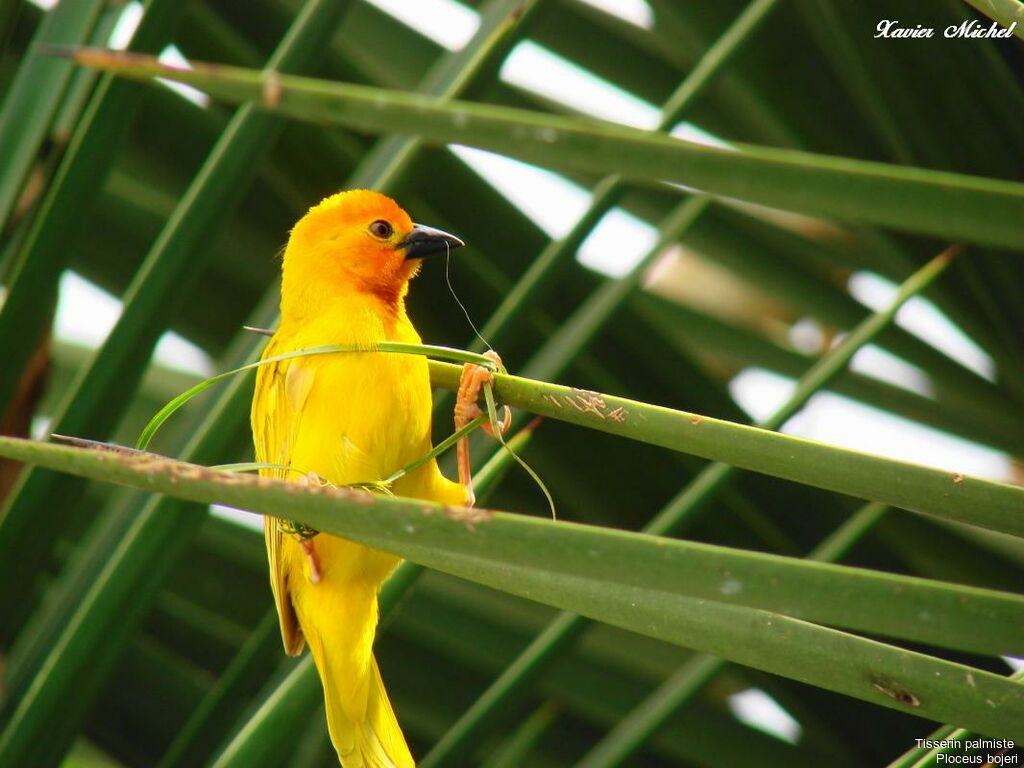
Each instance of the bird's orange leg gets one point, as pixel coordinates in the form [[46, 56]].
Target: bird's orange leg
[[314, 562], [308, 548], [467, 408]]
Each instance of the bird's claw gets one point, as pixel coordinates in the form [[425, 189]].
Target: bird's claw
[[307, 545], [467, 408]]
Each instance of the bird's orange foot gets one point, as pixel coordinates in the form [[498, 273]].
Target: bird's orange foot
[[305, 540], [309, 548], [467, 408]]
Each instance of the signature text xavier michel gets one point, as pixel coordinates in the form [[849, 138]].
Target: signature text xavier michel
[[972, 28]]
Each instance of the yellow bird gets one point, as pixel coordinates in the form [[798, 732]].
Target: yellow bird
[[344, 419]]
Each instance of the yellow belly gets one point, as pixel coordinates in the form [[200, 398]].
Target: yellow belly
[[358, 418]]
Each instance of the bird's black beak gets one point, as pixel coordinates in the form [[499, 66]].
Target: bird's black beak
[[423, 241]]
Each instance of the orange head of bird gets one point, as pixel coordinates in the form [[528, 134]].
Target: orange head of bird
[[357, 240]]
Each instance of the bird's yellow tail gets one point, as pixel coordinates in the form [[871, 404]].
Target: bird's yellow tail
[[364, 736]]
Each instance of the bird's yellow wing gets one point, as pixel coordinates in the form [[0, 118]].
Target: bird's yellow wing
[[281, 390]]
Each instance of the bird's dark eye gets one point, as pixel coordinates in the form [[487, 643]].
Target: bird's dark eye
[[381, 229]]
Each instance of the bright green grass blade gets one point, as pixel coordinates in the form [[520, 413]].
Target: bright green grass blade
[[947, 205], [437, 450], [495, 422], [255, 466], [442, 353]]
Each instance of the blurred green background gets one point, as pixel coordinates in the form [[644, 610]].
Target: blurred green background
[[141, 218]]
